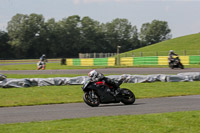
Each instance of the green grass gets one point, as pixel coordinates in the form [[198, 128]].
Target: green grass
[[40, 95], [176, 122], [190, 43], [18, 76], [49, 66], [73, 93]]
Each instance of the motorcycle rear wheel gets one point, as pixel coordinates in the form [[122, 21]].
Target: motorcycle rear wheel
[[91, 100], [128, 97]]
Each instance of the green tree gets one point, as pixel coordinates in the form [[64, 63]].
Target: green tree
[[52, 35], [89, 39], [30, 36], [154, 32], [26, 35], [69, 39], [5, 47], [134, 40], [121, 32]]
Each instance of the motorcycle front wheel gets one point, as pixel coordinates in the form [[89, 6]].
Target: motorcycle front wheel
[[181, 66], [171, 66], [91, 98], [128, 97]]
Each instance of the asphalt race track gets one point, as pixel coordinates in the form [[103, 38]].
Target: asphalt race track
[[81, 110], [105, 71]]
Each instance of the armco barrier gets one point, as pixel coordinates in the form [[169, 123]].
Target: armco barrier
[[150, 60], [157, 60], [126, 61], [91, 62], [163, 60], [100, 61], [111, 61], [194, 59], [131, 61]]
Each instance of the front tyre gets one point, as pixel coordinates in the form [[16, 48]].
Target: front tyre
[[171, 65], [128, 97], [181, 66], [91, 98]]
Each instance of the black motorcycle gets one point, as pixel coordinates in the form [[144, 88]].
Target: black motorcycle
[[176, 63], [96, 93]]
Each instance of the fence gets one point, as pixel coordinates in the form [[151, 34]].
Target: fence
[[139, 54], [96, 55], [160, 53]]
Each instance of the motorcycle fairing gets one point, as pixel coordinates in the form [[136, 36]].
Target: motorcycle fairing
[[103, 91]]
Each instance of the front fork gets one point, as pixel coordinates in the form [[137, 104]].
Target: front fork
[[91, 93]]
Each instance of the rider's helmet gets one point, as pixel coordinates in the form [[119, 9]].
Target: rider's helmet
[[171, 51], [93, 74], [43, 55]]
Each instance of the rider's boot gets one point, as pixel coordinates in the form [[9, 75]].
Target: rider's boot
[[115, 92]]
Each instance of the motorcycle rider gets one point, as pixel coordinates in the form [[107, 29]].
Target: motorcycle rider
[[170, 56], [43, 58], [41, 63], [95, 76]]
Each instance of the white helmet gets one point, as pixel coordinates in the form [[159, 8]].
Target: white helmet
[[171, 51], [93, 74]]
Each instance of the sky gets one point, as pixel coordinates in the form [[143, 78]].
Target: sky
[[183, 16]]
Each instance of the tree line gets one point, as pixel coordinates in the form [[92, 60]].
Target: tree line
[[30, 36]]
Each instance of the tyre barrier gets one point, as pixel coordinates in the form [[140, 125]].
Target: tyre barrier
[[29, 82]]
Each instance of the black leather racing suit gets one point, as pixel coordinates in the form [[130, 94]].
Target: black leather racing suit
[[110, 82]]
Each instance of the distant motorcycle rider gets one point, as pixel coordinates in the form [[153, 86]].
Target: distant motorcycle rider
[[170, 56], [95, 76], [41, 64], [43, 58]]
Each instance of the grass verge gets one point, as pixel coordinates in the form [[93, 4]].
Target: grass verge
[[73, 93], [18, 76], [176, 122]]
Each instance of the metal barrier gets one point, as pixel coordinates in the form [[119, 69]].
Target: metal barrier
[[113, 61], [91, 62], [131, 61]]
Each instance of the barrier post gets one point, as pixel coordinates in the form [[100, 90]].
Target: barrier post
[[118, 56]]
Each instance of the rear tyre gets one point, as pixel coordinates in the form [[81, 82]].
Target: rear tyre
[[128, 97], [91, 98]]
